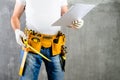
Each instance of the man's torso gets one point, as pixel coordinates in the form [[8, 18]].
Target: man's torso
[[40, 14]]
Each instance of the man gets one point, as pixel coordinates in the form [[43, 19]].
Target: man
[[40, 14]]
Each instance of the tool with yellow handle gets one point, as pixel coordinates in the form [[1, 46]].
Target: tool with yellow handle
[[25, 56], [23, 59], [23, 63]]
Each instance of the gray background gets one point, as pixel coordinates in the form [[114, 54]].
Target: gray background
[[93, 51]]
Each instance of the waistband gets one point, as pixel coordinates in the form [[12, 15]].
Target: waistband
[[45, 29], [35, 33]]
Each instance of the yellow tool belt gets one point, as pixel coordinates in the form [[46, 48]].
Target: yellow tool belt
[[38, 40]]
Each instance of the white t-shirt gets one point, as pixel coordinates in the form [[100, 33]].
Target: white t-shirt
[[40, 14]]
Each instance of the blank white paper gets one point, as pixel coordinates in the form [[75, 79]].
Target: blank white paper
[[77, 11]]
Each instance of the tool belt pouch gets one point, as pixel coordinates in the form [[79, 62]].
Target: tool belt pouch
[[35, 42], [57, 44], [46, 42]]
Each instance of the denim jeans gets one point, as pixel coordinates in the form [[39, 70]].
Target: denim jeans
[[33, 64]]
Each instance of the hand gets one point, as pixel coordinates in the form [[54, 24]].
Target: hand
[[19, 35], [77, 24]]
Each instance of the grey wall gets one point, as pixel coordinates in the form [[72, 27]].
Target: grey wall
[[93, 51]]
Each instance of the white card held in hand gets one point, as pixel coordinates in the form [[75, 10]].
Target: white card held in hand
[[77, 11]]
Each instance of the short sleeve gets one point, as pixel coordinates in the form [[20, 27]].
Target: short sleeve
[[21, 1], [64, 2]]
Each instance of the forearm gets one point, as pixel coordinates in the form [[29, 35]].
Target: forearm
[[64, 9], [15, 22], [15, 19]]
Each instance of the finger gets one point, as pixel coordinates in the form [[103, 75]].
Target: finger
[[19, 41], [72, 26], [23, 35], [76, 23]]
